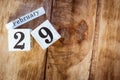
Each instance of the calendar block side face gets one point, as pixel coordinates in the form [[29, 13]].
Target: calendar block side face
[[45, 34], [19, 40]]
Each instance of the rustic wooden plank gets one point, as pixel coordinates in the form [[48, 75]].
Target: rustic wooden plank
[[106, 53], [21, 65], [70, 57]]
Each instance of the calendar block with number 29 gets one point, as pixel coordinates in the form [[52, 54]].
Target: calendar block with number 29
[[20, 39]]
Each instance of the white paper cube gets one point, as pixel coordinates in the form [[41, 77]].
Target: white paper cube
[[45, 34], [19, 39]]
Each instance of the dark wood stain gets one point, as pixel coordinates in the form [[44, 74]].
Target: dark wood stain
[[79, 32]]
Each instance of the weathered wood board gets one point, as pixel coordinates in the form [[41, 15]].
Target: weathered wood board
[[70, 57], [88, 50], [21, 65], [106, 53]]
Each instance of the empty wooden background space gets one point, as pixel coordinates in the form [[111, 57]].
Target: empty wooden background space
[[89, 48]]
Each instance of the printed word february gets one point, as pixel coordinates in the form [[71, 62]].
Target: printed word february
[[26, 18]]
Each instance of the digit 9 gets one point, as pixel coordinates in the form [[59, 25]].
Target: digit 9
[[45, 35]]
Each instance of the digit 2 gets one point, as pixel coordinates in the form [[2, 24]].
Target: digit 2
[[21, 38], [42, 35]]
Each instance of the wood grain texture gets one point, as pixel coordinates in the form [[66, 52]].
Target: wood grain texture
[[106, 54], [90, 31], [21, 65], [70, 57]]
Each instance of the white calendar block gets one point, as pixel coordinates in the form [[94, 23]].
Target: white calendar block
[[45, 34], [25, 18], [19, 39]]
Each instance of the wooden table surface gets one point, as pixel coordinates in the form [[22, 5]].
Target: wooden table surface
[[89, 48]]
